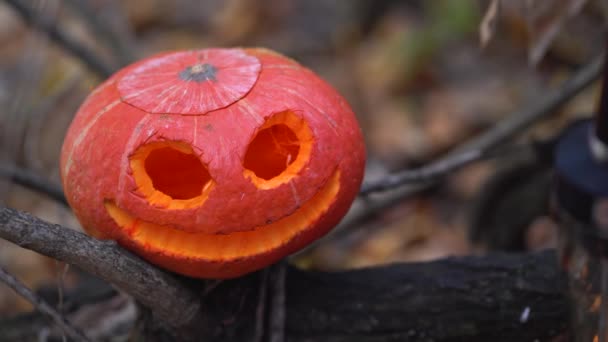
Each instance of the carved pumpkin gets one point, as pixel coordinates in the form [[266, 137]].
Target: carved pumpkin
[[212, 163]]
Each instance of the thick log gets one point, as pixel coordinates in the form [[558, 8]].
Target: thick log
[[500, 297], [460, 299]]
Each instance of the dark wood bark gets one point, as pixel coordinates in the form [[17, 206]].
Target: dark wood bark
[[458, 299], [461, 299]]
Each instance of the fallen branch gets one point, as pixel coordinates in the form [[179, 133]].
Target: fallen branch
[[42, 306], [460, 299], [170, 300], [501, 132]]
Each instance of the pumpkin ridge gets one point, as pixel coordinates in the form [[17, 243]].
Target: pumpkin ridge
[[330, 121], [195, 131], [86, 130], [244, 104]]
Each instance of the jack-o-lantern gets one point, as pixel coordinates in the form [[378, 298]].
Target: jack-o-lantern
[[212, 163]]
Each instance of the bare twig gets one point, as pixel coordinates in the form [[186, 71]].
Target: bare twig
[[424, 174], [61, 274], [498, 134], [546, 104], [38, 117], [42, 306], [16, 113], [124, 54], [60, 37], [33, 181], [169, 299]]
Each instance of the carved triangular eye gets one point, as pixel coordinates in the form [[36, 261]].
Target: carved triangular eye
[[170, 175], [278, 151]]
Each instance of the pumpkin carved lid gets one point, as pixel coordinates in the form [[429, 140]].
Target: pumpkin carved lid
[[213, 163], [190, 82]]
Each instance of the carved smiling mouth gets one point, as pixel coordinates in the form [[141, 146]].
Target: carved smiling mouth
[[167, 240]]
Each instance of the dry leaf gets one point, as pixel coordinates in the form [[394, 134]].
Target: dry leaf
[[489, 23]]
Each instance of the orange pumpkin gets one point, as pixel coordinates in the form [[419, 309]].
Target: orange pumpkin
[[212, 163]]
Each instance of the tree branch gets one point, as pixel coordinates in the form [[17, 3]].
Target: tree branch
[[42, 306], [169, 299], [46, 25], [498, 134], [427, 173], [88, 14]]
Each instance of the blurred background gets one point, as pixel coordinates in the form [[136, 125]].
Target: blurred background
[[415, 73]]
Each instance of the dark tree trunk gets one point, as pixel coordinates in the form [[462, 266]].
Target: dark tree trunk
[[458, 299]]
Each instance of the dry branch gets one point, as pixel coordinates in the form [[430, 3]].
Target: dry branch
[[170, 300], [500, 133], [88, 14], [42, 306]]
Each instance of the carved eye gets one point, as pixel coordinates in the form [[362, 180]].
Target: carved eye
[[170, 175], [278, 151]]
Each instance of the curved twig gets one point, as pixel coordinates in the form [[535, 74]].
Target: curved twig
[[104, 31], [61, 37], [42, 306]]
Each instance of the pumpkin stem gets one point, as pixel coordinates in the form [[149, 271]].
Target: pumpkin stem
[[199, 73]]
